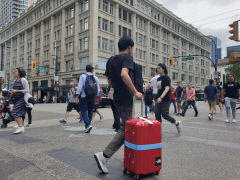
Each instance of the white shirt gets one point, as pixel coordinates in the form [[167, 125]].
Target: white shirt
[[154, 84]]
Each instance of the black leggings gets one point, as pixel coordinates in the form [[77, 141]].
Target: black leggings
[[29, 113], [162, 110]]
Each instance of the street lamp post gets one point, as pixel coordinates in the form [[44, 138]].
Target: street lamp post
[[56, 70], [2, 63]]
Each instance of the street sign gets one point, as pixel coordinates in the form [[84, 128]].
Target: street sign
[[188, 58], [1, 73], [42, 69], [56, 78]]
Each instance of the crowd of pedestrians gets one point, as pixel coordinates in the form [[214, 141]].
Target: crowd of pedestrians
[[120, 71]]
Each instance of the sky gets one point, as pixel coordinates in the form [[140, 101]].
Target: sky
[[211, 17]]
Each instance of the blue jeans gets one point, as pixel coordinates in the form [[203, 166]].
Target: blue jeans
[[174, 104], [146, 109], [86, 106], [193, 103]]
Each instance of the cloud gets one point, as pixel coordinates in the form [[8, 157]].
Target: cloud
[[199, 14]]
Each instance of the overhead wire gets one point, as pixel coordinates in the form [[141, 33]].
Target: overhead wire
[[227, 12]]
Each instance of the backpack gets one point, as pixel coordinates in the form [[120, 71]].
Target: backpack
[[138, 79], [90, 87]]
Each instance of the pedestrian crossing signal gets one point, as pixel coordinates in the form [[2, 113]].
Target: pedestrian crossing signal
[[34, 65], [219, 75], [171, 62]]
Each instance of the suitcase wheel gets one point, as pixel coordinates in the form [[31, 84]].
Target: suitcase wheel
[[136, 176], [124, 171]]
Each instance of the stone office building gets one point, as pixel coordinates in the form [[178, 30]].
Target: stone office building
[[84, 32]]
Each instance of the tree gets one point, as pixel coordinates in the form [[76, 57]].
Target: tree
[[234, 69]]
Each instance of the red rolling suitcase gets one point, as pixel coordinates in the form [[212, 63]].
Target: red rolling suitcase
[[143, 147]]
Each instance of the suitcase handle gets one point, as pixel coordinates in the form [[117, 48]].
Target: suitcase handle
[[134, 102], [146, 120]]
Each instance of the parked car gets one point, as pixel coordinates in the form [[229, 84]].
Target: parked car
[[105, 102], [199, 95]]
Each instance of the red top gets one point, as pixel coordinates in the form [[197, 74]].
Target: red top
[[99, 98], [173, 94]]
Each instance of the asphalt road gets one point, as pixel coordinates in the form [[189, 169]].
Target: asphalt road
[[206, 150]]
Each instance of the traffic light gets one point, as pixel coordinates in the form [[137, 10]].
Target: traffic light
[[2, 80], [219, 75], [171, 62], [34, 65], [57, 83], [235, 31]]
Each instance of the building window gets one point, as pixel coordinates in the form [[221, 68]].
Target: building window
[[105, 6], [190, 79], [111, 46], [111, 27], [83, 62], [143, 70], [124, 15], [104, 44], [153, 57], [165, 35], [69, 48], [70, 30], [57, 35], [85, 43], [70, 13], [102, 63], [111, 9], [153, 71], [99, 22], [175, 76], [165, 48], [86, 5], [85, 24], [105, 25], [183, 77], [99, 42], [46, 40], [80, 44], [69, 66]]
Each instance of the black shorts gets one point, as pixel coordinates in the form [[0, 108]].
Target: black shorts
[[179, 101], [95, 107], [73, 105]]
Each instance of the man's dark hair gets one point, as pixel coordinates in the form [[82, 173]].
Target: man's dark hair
[[163, 66], [89, 68], [124, 43], [21, 72], [211, 81]]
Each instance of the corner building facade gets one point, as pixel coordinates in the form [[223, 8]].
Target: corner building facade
[[82, 32]]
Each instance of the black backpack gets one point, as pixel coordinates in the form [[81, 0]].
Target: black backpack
[[138, 79], [90, 88]]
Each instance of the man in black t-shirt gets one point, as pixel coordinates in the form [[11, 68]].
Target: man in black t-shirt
[[119, 70], [231, 92]]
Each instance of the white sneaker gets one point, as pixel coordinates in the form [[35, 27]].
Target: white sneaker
[[209, 117], [179, 127], [234, 121], [19, 130], [101, 162], [227, 121], [88, 130]]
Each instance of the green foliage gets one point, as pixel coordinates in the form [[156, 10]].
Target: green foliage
[[234, 69]]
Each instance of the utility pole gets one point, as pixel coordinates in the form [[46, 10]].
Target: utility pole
[[56, 72], [2, 64]]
